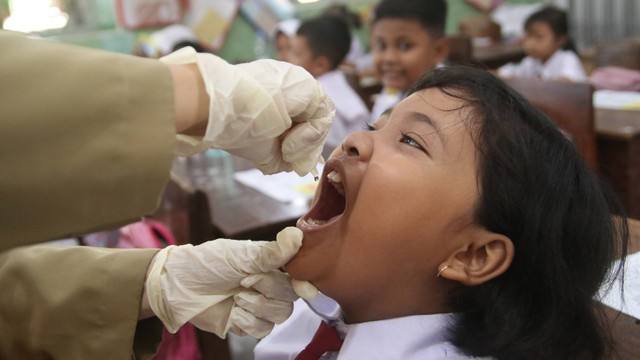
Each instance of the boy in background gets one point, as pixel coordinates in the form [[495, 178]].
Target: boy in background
[[320, 46], [407, 40], [285, 31]]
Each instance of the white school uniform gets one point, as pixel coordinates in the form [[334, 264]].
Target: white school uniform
[[411, 337], [385, 100], [562, 64], [352, 113]]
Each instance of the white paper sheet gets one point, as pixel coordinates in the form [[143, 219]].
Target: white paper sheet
[[617, 100], [630, 303]]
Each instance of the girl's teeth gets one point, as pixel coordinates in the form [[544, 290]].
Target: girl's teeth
[[334, 176], [316, 222]]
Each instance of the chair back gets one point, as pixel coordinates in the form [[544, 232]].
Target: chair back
[[568, 104], [481, 26], [185, 210], [460, 49], [622, 53]]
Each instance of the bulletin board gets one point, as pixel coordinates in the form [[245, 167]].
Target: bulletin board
[[210, 20], [140, 14], [265, 15], [485, 5]]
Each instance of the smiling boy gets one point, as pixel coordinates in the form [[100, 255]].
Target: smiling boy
[[407, 40]]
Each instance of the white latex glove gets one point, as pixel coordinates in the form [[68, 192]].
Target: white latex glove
[[224, 285], [304, 289], [270, 112]]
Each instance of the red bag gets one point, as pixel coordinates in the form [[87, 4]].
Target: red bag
[[615, 78], [151, 233]]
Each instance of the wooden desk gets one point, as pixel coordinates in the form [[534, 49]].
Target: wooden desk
[[237, 211], [241, 212], [495, 55], [618, 133]]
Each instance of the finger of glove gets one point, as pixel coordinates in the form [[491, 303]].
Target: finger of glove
[[237, 331], [275, 311], [249, 324], [302, 147], [215, 319], [265, 155], [255, 257], [273, 285], [304, 289]]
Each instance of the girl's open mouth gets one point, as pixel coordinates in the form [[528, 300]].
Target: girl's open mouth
[[331, 202]]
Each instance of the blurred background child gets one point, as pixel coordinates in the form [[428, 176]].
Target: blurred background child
[[407, 40], [550, 50], [285, 30], [320, 46]]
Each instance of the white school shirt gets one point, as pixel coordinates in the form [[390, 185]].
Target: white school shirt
[[562, 64], [406, 338], [352, 113], [388, 98], [385, 100]]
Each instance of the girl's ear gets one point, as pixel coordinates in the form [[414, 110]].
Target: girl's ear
[[485, 257]]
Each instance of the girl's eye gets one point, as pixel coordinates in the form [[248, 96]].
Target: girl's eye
[[405, 46], [369, 127], [380, 46], [411, 142]]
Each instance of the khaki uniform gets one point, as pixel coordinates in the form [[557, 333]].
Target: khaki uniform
[[86, 142]]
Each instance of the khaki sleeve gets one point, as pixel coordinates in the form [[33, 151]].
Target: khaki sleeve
[[73, 303], [86, 138]]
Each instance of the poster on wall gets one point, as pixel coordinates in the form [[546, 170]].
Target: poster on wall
[[210, 20], [141, 14], [265, 15], [485, 5]]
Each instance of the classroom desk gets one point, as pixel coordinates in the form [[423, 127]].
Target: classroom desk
[[238, 211], [618, 136], [242, 212], [495, 55]]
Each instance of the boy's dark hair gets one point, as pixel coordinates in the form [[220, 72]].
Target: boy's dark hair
[[431, 14], [327, 35], [194, 44], [556, 19], [536, 189], [342, 11]]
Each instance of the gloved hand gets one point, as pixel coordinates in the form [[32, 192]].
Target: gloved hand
[[224, 285], [270, 112], [304, 289]]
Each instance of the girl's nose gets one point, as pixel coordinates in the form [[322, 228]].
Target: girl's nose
[[389, 55], [358, 145]]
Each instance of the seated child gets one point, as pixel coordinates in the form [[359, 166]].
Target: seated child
[[464, 224], [285, 31], [407, 40], [320, 46], [551, 54]]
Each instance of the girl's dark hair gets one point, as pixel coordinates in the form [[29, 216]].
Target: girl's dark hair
[[431, 14], [558, 22], [565, 226]]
